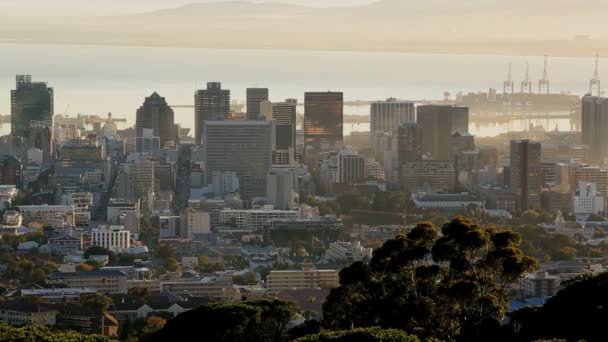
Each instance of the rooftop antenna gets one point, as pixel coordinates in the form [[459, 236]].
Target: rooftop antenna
[[526, 84], [544, 82], [595, 81], [507, 85]]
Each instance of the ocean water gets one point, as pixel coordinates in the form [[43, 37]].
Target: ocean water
[[101, 79]]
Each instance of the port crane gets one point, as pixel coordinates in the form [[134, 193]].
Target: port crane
[[526, 84], [544, 82], [508, 85]]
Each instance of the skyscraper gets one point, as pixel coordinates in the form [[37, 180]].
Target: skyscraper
[[156, 114], [211, 104], [386, 116], [437, 124], [409, 149], [284, 116], [525, 172], [323, 119], [40, 135], [30, 101], [255, 97], [595, 126], [244, 147]]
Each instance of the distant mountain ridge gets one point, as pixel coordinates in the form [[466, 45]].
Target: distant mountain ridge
[[422, 6]]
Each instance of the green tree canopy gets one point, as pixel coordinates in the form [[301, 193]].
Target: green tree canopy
[[451, 286], [96, 302], [374, 334], [30, 333]]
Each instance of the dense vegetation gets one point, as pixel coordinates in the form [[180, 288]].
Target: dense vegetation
[[375, 334], [452, 287], [578, 312], [41, 334]]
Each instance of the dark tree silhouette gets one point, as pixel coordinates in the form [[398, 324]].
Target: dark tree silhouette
[[451, 286]]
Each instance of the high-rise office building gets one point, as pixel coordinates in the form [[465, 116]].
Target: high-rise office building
[[595, 126], [140, 179], [387, 116], [156, 114], [437, 124], [284, 116], [351, 168], [148, 143], [30, 101], [255, 97], [281, 187], [244, 147], [525, 172], [211, 104], [40, 135], [323, 119], [409, 141]]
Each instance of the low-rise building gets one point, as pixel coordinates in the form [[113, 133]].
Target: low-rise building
[[307, 278], [348, 251], [11, 220], [104, 281], [429, 176], [210, 287], [255, 218], [447, 201], [8, 193], [55, 215], [22, 313], [540, 284], [58, 295], [113, 237], [323, 229], [198, 222], [67, 244], [587, 200]]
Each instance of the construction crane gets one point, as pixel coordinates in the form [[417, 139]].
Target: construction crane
[[526, 84], [508, 85], [544, 82], [595, 81]]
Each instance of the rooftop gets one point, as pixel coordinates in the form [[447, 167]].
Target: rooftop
[[24, 307], [95, 273]]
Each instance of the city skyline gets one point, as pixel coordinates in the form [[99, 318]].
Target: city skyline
[[303, 171]]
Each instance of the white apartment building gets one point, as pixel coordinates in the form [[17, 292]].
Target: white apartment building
[[587, 200], [255, 218], [113, 237], [347, 251]]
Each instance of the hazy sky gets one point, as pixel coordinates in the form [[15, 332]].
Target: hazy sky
[[125, 6]]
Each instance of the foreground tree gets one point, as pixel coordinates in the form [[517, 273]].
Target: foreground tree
[[251, 320], [451, 286], [578, 312]]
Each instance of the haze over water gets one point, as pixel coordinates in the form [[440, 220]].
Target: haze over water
[[102, 79]]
